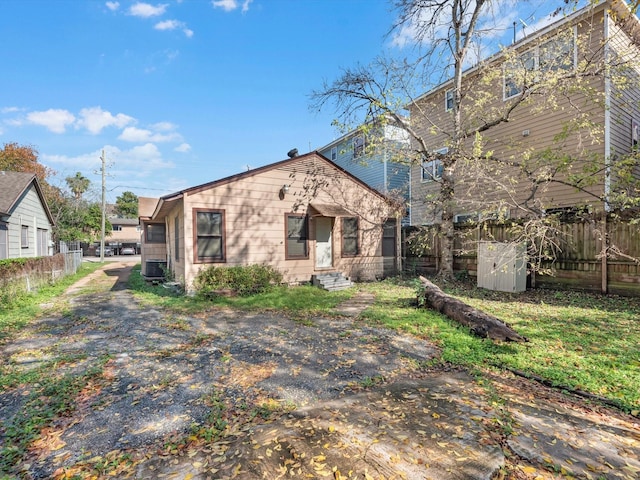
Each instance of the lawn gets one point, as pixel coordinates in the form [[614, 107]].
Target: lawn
[[583, 341], [20, 309]]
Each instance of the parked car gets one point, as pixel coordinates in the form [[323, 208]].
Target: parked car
[[107, 252], [128, 251]]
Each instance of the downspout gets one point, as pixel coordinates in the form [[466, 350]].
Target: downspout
[[607, 155]]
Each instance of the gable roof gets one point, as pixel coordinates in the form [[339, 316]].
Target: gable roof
[[249, 173], [13, 185]]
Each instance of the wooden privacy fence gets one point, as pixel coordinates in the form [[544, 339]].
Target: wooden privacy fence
[[579, 263]]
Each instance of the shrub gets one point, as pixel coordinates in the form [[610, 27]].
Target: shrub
[[240, 280]]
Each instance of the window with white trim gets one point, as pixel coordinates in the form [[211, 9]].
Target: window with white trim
[[358, 146], [432, 170], [334, 154], [557, 53], [24, 237], [448, 100], [4, 242]]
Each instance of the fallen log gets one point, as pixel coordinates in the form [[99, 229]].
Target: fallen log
[[480, 323]]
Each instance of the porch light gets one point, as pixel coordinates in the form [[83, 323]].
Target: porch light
[[284, 190]]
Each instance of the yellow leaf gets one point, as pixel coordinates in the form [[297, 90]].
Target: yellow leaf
[[188, 476], [332, 429], [528, 469]]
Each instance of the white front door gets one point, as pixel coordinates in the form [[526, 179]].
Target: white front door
[[324, 252]]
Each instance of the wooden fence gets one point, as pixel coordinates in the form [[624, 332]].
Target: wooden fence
[[579, 263]]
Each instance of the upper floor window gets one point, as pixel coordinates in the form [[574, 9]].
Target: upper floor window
[[432, 170], [448, 100], [155, 233], [116, 228], [558, 53], [209, 228], [334, 154], [358, 146]]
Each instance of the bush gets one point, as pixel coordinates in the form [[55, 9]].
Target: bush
[[239, 280]]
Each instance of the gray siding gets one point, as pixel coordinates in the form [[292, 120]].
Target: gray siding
[[29, 212], [375, 170]]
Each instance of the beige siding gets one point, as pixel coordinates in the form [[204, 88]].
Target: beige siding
[[625, 105], [532, 128], [255, 218]]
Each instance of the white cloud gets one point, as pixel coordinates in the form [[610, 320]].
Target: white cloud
[[113, 6], [139, 161], [9, 109], [140, 135], [95, 119], [55, 120], [229, 5], [146, 10], [168, 25], [164, 126], [174, 25], [183, 148]]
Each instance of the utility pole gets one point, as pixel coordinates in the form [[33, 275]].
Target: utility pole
[[104, 206]]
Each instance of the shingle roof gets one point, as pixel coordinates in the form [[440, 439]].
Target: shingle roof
[[12, 186]]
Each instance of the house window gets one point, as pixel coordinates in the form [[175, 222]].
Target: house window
[[209, 228], [155, 233], [432, 170], [389, 238], [176, 234], [334, 154], [116, 228], [558, 53], [42, 242], [296, 237], [448, 100], [24, 237], [4, 242], [518, 72], [349, 237], [358, 146]]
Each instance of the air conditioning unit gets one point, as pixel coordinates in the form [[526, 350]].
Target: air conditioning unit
[[155, 268], [502, 266]]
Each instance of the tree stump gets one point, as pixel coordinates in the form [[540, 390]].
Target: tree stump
[[480, 324]]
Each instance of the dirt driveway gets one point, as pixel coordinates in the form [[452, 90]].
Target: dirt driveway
[[228, 394]]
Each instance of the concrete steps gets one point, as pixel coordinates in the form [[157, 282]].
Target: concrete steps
[[331, 281]]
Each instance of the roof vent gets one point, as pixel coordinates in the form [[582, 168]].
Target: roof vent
[[292, 153]]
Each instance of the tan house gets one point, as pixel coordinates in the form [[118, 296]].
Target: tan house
[[304, 216], [593, 124], [125, 232]]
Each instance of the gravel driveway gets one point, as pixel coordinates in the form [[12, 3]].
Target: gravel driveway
[[227, 394]]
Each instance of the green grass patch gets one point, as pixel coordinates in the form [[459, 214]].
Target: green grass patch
[[17, 312], [578, 340], [299, 301], [51, 396]]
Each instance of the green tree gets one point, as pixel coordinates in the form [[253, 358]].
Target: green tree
[[127, 205], [78, 184]]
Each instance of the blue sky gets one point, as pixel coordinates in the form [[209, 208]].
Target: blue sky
[[177, 92]]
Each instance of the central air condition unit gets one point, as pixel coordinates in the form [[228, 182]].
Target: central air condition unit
[[155, 268]]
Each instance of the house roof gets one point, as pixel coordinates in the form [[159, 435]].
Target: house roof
[[13, 185], [165, 201], [123, 221], [146, 206], [619, 7]]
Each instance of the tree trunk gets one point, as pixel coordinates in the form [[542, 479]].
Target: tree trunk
[[481, 324]]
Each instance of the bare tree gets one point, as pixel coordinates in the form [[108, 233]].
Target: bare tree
[[482, 169]]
